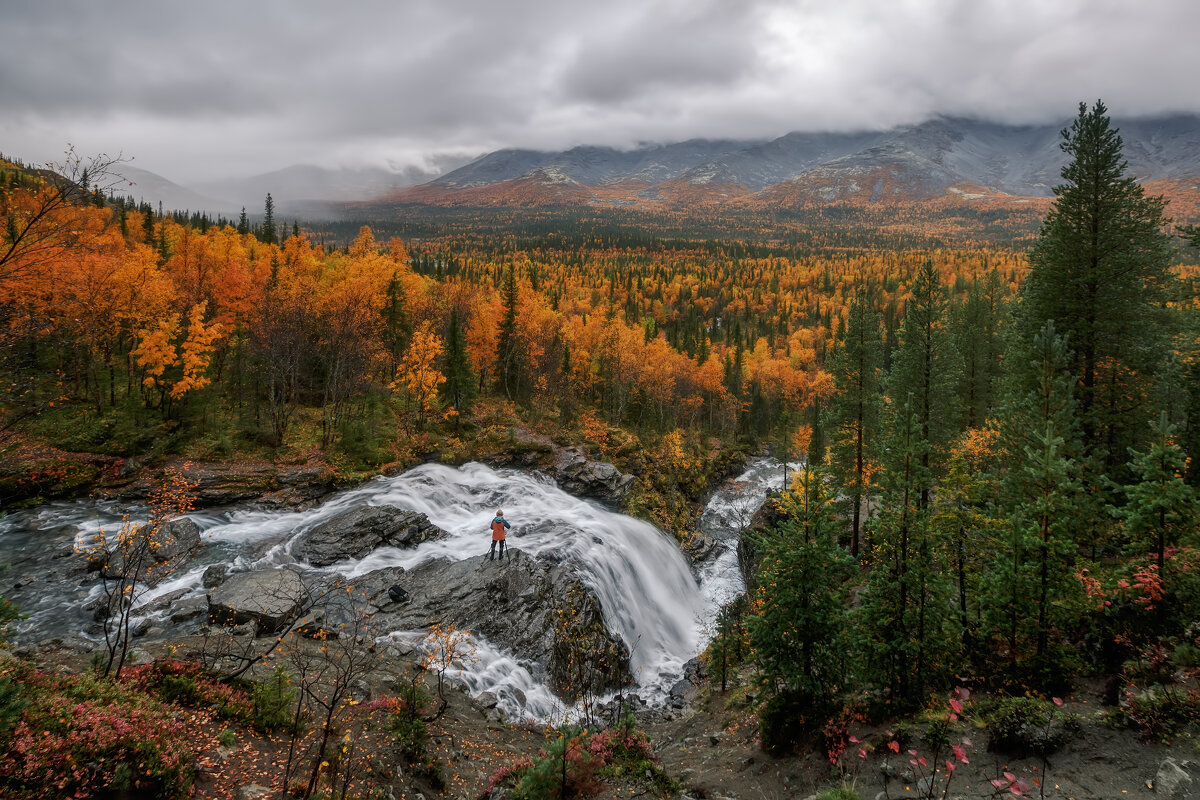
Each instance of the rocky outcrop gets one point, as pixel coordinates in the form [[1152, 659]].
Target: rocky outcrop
[[272, 599], [577, 475], [1177, 780], [699, 548], [220, 484], [684, 690], [177, 538], [514, 604], [355, 533], [570, 467], [153, 555]]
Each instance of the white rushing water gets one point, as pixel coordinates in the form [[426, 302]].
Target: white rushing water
[[649, 595], [728, 513], [491, 669], [645, 587]]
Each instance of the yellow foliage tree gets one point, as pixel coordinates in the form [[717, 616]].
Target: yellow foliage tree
[[197, 351], [156, 352], [418, 374]]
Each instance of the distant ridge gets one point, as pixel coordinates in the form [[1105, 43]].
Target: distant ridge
[[944, 157], [305, 187], [145, 186], [947, 159]]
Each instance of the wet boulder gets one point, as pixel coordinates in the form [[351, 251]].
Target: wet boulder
[[187, 610], [271, 598], [355, 533], [177, 538], [577, 475], [149, 556], [684, 690], [699, 548], [514, 603], [214, 576]]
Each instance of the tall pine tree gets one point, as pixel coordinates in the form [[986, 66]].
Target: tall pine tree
[[268, 226], [798, 627], [925, 368], [902, 619], [459, 388], [1040, 498], [976, 326], [1161, 507], [1100, 271], [510, 361]]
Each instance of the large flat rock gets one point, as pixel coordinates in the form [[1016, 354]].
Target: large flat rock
[[272, 598]]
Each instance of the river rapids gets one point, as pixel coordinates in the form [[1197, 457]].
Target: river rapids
[[650, 596]]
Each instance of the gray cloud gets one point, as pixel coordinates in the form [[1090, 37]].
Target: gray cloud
[[222, 88]]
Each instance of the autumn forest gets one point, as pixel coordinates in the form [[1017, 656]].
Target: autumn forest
[[991, 409]]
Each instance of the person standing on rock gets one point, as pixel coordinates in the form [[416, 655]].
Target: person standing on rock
[[498, 526]]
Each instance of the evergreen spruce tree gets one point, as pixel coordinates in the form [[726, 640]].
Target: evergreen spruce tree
[[1191, 234], [976, 324], [243, 226], [268, 226], [161, 242], [734, 370], [1100, 271], [396, 325], [809, 502], [459, 388], [566, 400], [797, 632], [925, 368], [1047, 483], [1161, 507], [1041, 499], [903, 620], [854, 412], [510, 362]]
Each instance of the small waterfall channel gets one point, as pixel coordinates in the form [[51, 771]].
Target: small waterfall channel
[[650, 596]]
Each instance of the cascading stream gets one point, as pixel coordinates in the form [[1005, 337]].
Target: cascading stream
[[649, 595]]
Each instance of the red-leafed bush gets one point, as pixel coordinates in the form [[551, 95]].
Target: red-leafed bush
[[189, 684], [78, 736]]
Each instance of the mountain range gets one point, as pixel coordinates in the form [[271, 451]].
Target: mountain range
[[944, 157], [966, 157]]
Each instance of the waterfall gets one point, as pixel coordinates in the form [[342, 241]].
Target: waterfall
[[650, 597]]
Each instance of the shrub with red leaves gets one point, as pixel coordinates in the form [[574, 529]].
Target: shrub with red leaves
[[81, 737]]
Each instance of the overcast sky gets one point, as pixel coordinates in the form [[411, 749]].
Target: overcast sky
[[215, 88]]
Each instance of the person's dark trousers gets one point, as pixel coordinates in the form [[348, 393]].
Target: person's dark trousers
[[492, 552]]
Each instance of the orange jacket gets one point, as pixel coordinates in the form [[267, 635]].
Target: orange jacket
[[498, 526]]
